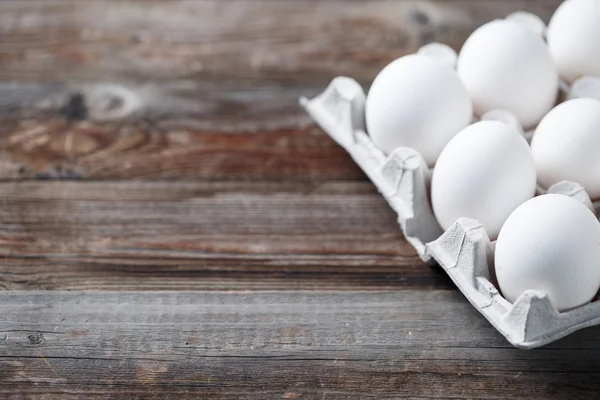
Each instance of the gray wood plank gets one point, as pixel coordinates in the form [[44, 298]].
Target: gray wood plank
[[104, 39], [203, 235], [277, 345]]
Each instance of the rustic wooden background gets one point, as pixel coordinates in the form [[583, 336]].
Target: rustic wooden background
[[173, 225]]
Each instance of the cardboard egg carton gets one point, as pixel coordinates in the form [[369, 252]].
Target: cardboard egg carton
[[464, 251]]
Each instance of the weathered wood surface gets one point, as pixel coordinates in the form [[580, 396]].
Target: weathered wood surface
[[430, 344], [55, 40], [187, 164], [187, 235], [175, 76]]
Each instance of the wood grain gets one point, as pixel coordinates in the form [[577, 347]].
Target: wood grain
[[198, 89], [293, 40], [169, 235], [185, 163], [277, 345], [184, 131]]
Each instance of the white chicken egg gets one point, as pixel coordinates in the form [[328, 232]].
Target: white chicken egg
[[485, 172], [506, 66], [566, 145], [573, 37], [550, 243], [417, 102]]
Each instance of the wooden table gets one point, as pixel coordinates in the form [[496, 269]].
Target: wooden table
[[174, 226]]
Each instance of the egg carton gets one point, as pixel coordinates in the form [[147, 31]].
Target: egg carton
[[464, 251]]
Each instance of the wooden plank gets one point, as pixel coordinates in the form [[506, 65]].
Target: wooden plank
[[156, 131], [42, 148], [190, 235], [56, 40], [198, 90], [277, 345]]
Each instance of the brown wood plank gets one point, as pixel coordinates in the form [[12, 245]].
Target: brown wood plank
[[277, 345], [184, 130], [186, 235], [51, 147], [185, 90]]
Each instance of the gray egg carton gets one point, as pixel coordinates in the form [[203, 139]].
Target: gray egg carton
[[464, 251]]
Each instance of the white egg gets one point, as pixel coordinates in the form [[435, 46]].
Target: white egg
[[507, 66], [550, 243], [566, 145], [417, 102], [485, 173], [573, 37]]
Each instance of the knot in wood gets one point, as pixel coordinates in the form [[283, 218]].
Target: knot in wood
[[36, 338], [110, 102]]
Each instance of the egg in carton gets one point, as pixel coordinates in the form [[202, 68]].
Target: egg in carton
[[464, 250]]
